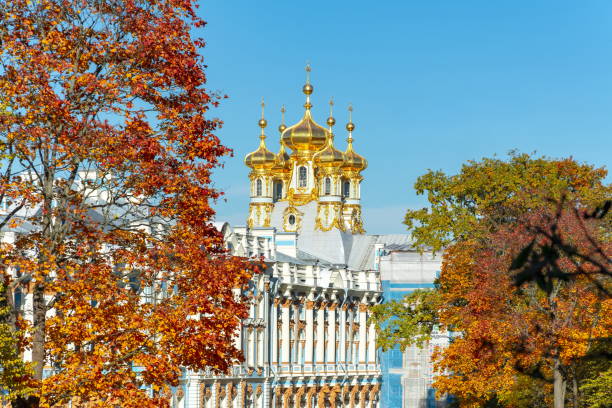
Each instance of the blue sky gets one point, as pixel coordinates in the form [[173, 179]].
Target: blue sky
[[433, 84]]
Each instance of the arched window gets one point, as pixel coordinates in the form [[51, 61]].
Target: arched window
[[346, 188], [302, 177], [258, 187], [292, 219], [327, 186], [278, 190]]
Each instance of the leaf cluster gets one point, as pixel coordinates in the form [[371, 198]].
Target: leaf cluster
[[406, 322], [492, 192]]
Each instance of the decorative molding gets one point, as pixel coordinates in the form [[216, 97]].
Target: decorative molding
[[321, 400], [297, 401], [362, 395], [287, 397], [311, 391], [352, 395]]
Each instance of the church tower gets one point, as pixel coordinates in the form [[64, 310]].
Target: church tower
[[309, 185]]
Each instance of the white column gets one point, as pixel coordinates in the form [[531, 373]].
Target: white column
[[362, 333], [320, 357], [193, 390], [250, 357], [273, 328], [266, 394], [260, 347], [331, 334], [372, 344], [308, 358], [213, 394], [285, 332], [342, 354]]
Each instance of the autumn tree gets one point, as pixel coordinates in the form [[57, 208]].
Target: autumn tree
[[510, 331], [114, 278]]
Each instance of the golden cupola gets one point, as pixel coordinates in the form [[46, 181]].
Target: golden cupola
[[330, 156], [352, 160], [306, 135], [262, 158], [282, 158]]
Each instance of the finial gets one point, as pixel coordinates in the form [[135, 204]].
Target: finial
[[350, 126], [331, 121], [282, 126], [262, 122], [307, 89], [308, 69], [263, 106]]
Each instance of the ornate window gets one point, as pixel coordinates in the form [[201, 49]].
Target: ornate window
[[278, 190], [292, 219], [327, 186], [346, 188], [302, 177], [258, 188]]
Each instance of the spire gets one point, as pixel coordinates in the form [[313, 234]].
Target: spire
[[331, 121], [353, 160], [350, 126], [262, 123], [282, 126], [307, 89], [261, 158], [282, 158]]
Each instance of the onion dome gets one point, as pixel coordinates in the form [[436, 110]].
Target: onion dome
[[330, 155], [282, 158], [306, 135], [261, 158], [352, 160]]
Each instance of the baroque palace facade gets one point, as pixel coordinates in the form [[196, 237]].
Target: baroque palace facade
[[307, 342]]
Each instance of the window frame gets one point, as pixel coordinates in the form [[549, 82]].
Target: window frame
[[302, 177], [258, 188], [327, 186]]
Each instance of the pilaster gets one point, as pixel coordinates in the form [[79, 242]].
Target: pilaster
[[320, 355], [308, 358], [362, 332]]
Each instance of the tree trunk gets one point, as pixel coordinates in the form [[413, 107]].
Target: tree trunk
[[38, 338], [575, 389], [559, 385]]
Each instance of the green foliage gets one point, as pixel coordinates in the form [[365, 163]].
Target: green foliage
[[528, 392], [596, 371], [597, 390], [492, 191], [406, 322], [14, 372]]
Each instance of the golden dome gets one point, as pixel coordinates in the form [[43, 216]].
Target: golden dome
[[330, 155], [306, 134], [261, 158], [352, 160], [282, 159]]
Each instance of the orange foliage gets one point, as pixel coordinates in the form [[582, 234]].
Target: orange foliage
[[507, 331], [107, 155]]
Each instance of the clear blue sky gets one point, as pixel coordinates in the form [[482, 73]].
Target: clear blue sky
[[433, 84]]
